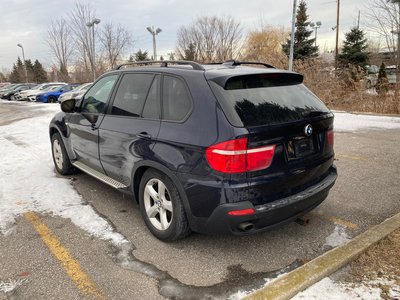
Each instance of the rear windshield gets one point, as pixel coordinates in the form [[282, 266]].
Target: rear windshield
[[265, 99]]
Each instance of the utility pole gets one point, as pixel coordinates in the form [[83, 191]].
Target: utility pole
[[358, 20], [292, 36], [154, 33], [337, 35]]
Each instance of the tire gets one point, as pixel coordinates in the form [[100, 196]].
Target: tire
[[51, 99], [60, 157], [12, 97], [161, 207]]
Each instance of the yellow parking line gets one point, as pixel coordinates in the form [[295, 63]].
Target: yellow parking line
[[339, 221], [342, 222], [71, 266]]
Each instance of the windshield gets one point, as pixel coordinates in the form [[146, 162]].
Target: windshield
[[255, 100]]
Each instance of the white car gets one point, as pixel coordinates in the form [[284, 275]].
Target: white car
[[31, 94], [76, 92]]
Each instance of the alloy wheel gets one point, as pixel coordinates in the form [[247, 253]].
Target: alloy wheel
[[158, 204]]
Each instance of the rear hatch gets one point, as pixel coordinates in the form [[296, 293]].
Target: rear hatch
[[279, 111]]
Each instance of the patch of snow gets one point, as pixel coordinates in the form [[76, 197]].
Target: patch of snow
[[10, 285], [327, 289], [338, 237], [346, 122], [240, 295], [28, 181]]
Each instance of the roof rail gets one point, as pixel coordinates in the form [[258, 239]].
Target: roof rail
[[238, 63], [164, 63]]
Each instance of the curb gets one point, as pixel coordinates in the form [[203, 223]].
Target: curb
[[288, 285]]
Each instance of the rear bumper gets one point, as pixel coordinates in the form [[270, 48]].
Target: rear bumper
[[271, 214]]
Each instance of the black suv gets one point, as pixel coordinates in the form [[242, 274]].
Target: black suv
[[222, 148]]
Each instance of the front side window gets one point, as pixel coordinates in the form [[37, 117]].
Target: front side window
[[131, 94], [176, 100], [96, 98]]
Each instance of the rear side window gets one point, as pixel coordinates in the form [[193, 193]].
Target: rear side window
[[131, 94], [151, 108], [176, 100], [265, 99]]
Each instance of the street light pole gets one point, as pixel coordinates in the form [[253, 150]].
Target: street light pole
[[154, 33], [292, 36], [23, 57], [316, 26], [91, 24]]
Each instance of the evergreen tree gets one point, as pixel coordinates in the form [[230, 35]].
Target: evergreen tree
[[40, 75], [29, 69], [354, 48], [382, 86], [141, 55], [190, 52], [18, 73], [303, 44]]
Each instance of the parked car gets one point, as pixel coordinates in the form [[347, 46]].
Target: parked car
[[6, 88], [223, 148], [9, 93], [31, 94], [4, 84], [372, 75], [76, 92], [51, 96]]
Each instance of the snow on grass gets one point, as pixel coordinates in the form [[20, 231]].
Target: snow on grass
[[28, 181], [327, 289], [347, 122]]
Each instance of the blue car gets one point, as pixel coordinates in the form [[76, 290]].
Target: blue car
[[51, 96]]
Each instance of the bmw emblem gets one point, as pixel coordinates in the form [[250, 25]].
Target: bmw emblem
[[308, 130]]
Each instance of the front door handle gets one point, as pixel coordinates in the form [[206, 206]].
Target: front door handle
[[144, 135], [94, 127]]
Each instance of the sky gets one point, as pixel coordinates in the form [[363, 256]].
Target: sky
[[26, 21]]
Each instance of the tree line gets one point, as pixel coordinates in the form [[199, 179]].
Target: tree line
[[206, 39]]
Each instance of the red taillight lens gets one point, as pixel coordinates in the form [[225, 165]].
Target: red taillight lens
[[330, 137], [242, 212], [234, 157]]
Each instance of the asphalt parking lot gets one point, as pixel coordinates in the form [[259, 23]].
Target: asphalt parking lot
[[51, 258]]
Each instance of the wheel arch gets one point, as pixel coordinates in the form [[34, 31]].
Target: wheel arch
[[58, 125], [143, 166]]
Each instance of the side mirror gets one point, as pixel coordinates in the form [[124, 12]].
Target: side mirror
[[68, 105]]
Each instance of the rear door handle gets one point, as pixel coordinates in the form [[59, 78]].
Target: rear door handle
[[144, 135]]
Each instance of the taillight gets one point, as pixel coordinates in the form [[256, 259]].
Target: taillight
[[234, 157], [330, 137], [242, 212]]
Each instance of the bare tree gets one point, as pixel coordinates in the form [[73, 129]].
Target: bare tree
[[115, 41], [60, 40], [266, 45], [80, 16], [383, 17], [213, 39]]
